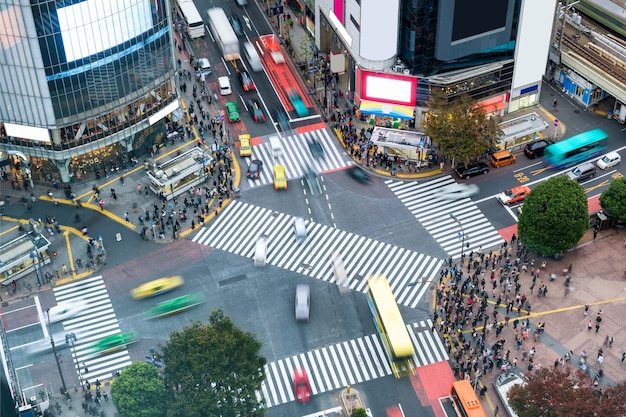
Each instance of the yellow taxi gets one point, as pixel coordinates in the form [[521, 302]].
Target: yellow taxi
[[280, 178], [244, 145], [156, 287]]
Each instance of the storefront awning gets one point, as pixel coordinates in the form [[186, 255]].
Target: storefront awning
[[386, 109]]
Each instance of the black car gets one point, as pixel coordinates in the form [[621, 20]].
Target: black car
[[245, 80], [316, 149], [255, 109], [535, 148], [359, 174], [236, 24], [472, 169], [254, 169]]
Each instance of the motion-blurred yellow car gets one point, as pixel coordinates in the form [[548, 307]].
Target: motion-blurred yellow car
[[280, 179], [156, 287]]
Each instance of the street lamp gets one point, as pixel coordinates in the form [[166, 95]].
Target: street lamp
[[36, 254], [453, 217], [56, 357], [70, 339], [565, 10]]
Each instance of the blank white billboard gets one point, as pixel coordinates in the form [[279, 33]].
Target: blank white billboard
[[533, 41], [379, 29], [93, 26]]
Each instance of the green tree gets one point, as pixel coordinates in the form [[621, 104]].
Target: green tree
[[613, 199], [554, 217], [215, 370], [359, 412], [566, 392], [139, 392], [460, 126]]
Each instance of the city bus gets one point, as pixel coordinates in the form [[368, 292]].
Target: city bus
[[224, 34], [391, 328], [576, 149], [465, 400], [188, 12]]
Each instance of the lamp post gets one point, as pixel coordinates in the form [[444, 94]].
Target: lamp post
[[453, 217], [56, 357], [71, 339], [565, 10], [36, 254]]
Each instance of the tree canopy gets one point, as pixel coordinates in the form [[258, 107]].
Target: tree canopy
[[613, 199], [564, 392], [213, 369], [554, 216], [139, 392], [460, 127]]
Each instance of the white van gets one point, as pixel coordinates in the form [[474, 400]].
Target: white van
[[299, 228], [260, 251], [224, 84], [609, 160], [277, 148], [252, 56]]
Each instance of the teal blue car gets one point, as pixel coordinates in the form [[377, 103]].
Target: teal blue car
[[298, 104], [113, 342], [175, 305]]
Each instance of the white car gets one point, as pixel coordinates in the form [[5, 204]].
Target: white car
[[609, 160], [66, 310], [43, 345], [457, 191]]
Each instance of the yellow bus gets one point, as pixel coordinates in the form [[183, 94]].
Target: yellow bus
[[465, 400], [391, 328]]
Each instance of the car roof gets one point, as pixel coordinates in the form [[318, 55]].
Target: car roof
[[519, 189], [611, 154]]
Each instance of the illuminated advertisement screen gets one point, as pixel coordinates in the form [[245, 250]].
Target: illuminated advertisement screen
[[387, 88], [93, 26]]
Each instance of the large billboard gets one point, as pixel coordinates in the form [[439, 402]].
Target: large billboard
[[468, 27], [386, 87]]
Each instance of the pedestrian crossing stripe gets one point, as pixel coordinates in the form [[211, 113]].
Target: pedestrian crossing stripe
[[434, 214], [91, 325], [296, 156], [238, 227], [346, 363]]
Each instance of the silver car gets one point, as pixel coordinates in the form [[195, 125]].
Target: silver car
[[303, 302]]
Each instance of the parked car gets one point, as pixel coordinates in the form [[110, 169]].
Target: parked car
[[457, 191], [236, 24], [472, 169], [246, 82], [609, 160], [301, 385], [156, 287], [514, 195], [254, 169], [231, 110], [535, 148], [582, 172], [255, 108]]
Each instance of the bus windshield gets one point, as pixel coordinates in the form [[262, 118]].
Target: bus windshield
[[390, 325], [576, 149], [465, 400]]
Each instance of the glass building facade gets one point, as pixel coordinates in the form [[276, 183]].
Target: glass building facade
[[85, 74]]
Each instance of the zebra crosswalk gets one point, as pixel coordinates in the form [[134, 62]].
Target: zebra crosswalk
[[436, 216], [346, 363], [240, 224], [92, 324], [296, 156]]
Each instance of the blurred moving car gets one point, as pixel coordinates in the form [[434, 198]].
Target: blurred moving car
[[316, 149], [113, 342], [303, 302], [236, 24], [66, 310], [457, 191], [156, 287], [283, 119], [231, 110], [472, 169], [245, 149], [312, 181], [246, 81], [301, 385], [535, 148], [609, 160], [254, 169], [43, 345], [175, 305], [257, 113], [297, 102], [514, 195], [280, 178], [359, 174]]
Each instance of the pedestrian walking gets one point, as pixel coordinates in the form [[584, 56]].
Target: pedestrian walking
[[554, 103], [589, 326], [101, 204], [126, 216], [139, 188], [586, 309], [113, 194], [64, 269]]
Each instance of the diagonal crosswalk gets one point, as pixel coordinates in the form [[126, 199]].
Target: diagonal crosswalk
[[434, 214], [90, 325], [297, 155], [346, 363], [240, 224]]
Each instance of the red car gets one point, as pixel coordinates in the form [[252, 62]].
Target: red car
[[514, 195], [301, 385]]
